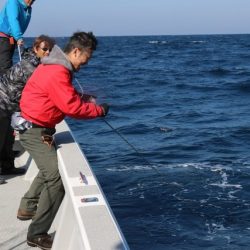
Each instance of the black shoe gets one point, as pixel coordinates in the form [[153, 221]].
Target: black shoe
[[45, 241], [17, 153], [2, 180], [13, 171]]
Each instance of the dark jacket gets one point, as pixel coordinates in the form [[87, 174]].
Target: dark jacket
[[14, 80]]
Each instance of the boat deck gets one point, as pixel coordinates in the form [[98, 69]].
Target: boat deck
[[13, 232]]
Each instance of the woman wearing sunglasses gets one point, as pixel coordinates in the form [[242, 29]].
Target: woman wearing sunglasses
[[11, 86]]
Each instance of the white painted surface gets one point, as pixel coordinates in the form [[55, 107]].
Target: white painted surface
[[78, 225]]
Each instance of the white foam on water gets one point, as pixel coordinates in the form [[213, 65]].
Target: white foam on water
[[165, 129], [200, 166], [130, 168], [154, 41], [199, 41], [213, 228], [231, 194], [225, 185], [224, 181], [175, 184], [157, 42]]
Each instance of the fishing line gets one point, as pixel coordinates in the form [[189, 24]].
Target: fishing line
[[131, 146], [79, 85], [19, 52]]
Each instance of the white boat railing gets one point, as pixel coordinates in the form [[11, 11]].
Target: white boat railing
[[85, 219]]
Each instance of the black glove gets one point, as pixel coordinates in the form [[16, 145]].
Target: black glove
[[89, 98], [105, 108]]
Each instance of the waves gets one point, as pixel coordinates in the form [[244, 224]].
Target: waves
[[176, 43], [219, 71], [198, 201]]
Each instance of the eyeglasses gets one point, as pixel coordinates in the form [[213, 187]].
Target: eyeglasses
[[45, 49]]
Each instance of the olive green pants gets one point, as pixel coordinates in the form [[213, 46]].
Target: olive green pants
[[46, 191]]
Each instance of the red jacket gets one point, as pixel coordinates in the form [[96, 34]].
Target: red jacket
[[49, 96]]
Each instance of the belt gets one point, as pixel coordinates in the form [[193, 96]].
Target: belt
[[48, 131], [37, 126], [11, 38]]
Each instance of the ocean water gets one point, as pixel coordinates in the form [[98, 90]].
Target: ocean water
[[183, 102]]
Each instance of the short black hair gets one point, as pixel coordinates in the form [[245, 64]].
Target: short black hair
[[81, 40]]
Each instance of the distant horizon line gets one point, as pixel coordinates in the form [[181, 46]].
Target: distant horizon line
[[210, 34]]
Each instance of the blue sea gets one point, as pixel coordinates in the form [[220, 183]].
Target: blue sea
[[183, 103]]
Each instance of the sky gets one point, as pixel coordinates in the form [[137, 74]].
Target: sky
[[139, 17]]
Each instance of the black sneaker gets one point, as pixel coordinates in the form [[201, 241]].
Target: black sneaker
[[45, 241]]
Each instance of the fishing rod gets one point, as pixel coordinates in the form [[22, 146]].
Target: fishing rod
[[122, 137], [79, 85]]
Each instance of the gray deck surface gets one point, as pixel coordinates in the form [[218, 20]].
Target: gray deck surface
[[12, 231]]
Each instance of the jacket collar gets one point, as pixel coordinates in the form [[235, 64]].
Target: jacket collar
[[57, 56], [22, 2]]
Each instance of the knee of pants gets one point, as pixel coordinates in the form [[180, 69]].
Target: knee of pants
[[54, 179]]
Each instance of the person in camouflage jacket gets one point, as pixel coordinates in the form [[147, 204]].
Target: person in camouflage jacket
[[11, 86], [13, 81]]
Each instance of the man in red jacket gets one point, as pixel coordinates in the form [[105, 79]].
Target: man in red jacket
[[46, 99]]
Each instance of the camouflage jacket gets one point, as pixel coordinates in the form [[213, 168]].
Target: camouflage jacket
[[14, 80]]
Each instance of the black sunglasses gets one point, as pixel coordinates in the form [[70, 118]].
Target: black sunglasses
[[45, 49]]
